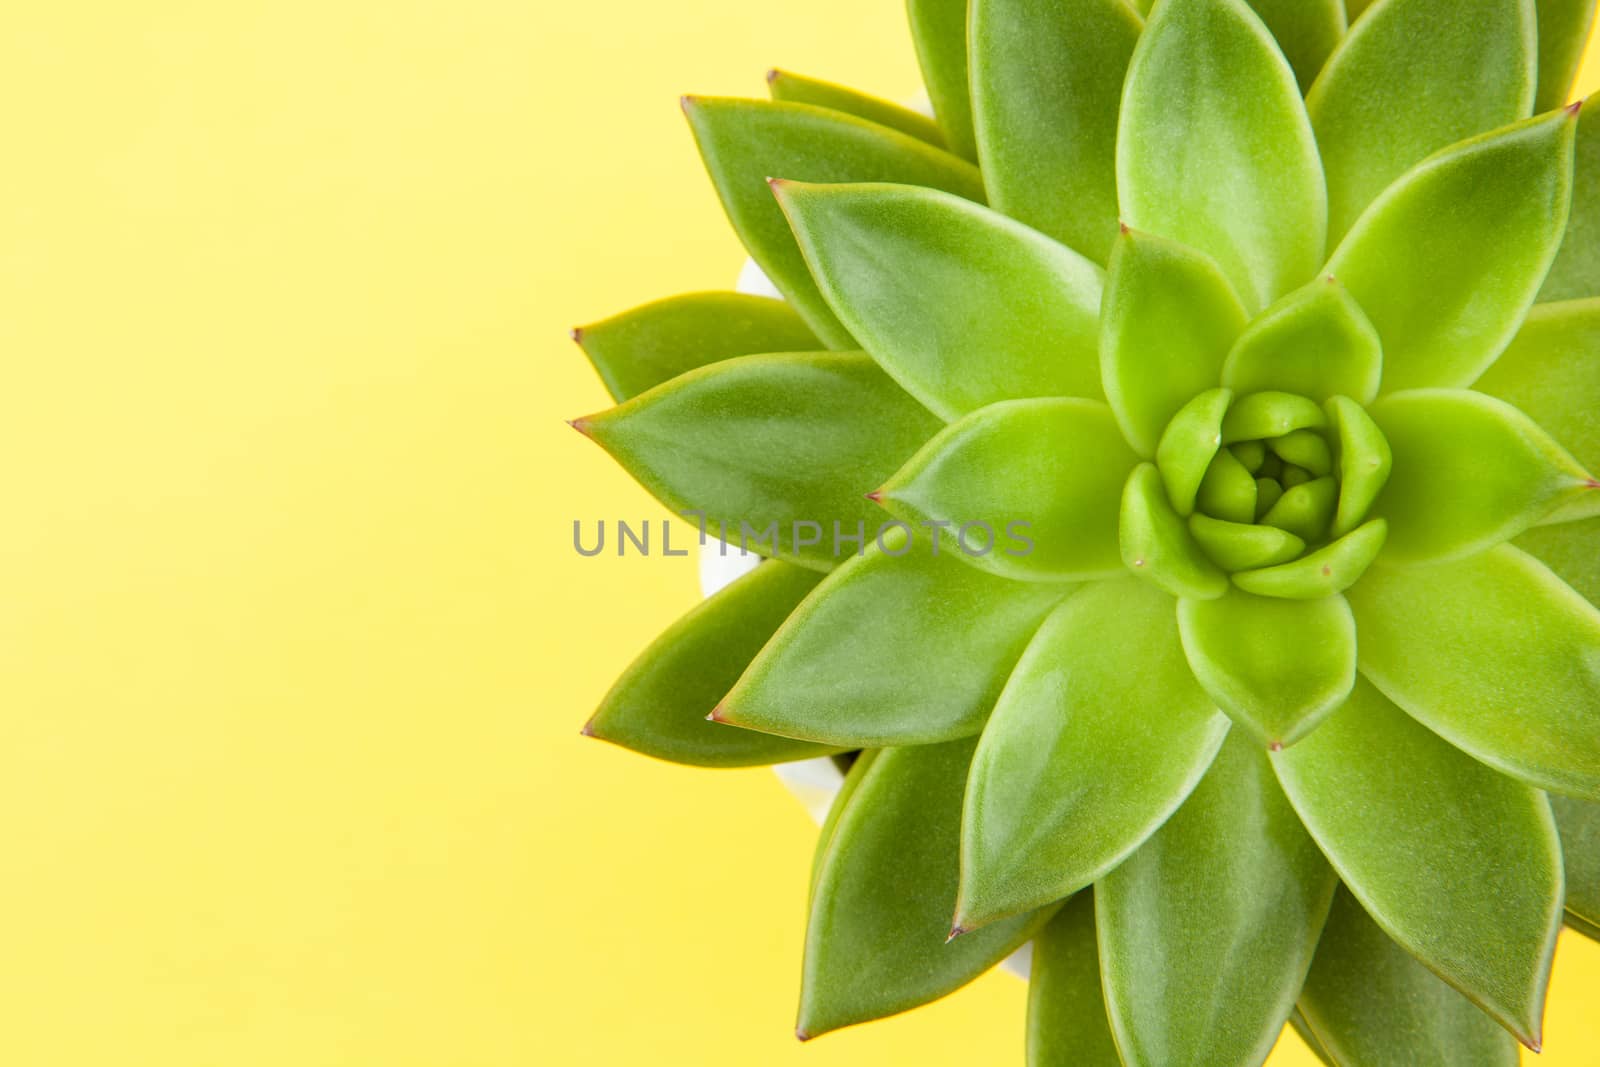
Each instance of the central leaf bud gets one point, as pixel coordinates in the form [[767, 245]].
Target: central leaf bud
[[1269, 490]]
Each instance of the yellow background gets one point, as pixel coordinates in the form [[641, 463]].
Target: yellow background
[[294, 649]]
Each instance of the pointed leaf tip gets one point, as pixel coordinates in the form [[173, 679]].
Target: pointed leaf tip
[[800, 1035], [1572, 110], [588, 729], [718, 714], [1124, 228], [955, 932], [773, 75], [576, 333], [687, 102], [581, 424], [876, 496]]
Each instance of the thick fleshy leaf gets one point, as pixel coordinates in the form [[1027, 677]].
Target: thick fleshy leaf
[[1237, 546], [1394, 92], [1469, 472], [1315, 342], [1579, 823], [883, 891], [1306, 30], [1276, 666], [1497, 656], [1572, 551], [1563, 31], [1214, 148], [1365, 462], [1189, 446], [1457, 862], [939, 31], [961, 305], [1046, 86], [1447, 261], [1157, 545], [1551, 373], [1576, 271], [745, 142], [640, 349], [798, 89], [1169, 319], [1369, 1003], [771, 448], [893, 649], [659, 705], [1067, 1024], [1207, 931], [1302, 1029], [1037, 482], [1331, 569], [1099, 735]]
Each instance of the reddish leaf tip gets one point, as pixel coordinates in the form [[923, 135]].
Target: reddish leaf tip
[[717, 715], [1123, 228], [955, 932], [1331, 280], [1534, 1042], [687, 102], [576, 333], [876, 496], [801, 1035], [580, 424], [588, 729], [1591, 484], [773, 75], [1572, 110], [1275, 746]]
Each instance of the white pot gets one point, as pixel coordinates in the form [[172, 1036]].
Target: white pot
[[814, 782]]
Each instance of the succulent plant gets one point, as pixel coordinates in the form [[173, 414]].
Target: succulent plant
[[1174, 463]]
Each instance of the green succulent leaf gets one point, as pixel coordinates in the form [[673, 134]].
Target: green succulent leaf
[[1277, 667], [939, 31], [770, 439], [1551, 373], [1046, 84], [1189, 446], [1329, 570], [1305, 510], [852, 664], [1067, 1024], [1572, 551], [1307, 31], [1157, 545], [1207, 931], [1043, 478], [1579, 823], [1448, 260], [1214, 148], [1466, 870], [1228, 491], [1576, 271], [745, 142], [1270, 414], [792, 88], [1315, 342], [1496, 655], [883, 892], [1368, 1002], [1237, 546], [1563, 31], [659, 704], [1168, 322], [1303, 1029], [1394, 92], [640, 349], [961, 305], [1073, 772], [1365, 461], [1469, 472]]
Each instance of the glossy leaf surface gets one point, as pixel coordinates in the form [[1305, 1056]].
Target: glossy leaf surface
[[1551, 373], [1369, 1003], [745, 142], [1315, 343], [640, 349], [1215, 150], [1277, 667], [939, 31], [1099, 735], [769, 439], [1481, 222], [1169, 319], [1331, 569], [1571, 550], [883, 892], [1207, 931], [1396, 91], [961, 305], [1496, 655], [1046, 86], [798, 89], [1157, 544], [659, 704], [1365, 462], [1049, 471], [1067, 1024], [1469, 472], [900, 649], [1466, 871]]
